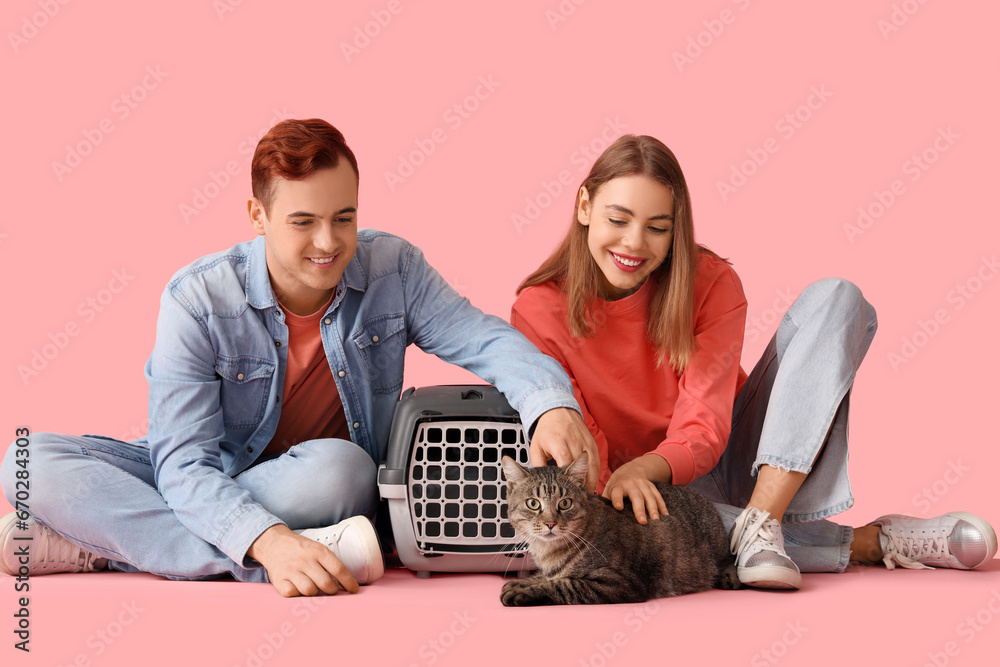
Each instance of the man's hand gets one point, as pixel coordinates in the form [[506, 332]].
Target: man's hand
[[297, 565], [560, 434], [635, 480]]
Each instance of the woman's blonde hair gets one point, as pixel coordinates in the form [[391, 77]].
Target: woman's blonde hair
[[670, 319]]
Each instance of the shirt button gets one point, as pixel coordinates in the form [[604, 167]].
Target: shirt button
[[250, 449], [374, 339], [327, 321], [341, 373], [356, 425], [239, 376], [277, 343]]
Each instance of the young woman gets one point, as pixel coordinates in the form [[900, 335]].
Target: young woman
[[649, 325]]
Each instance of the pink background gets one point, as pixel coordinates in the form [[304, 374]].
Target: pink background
[[223, 77]]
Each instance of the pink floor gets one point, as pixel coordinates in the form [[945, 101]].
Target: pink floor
[[866, 616]]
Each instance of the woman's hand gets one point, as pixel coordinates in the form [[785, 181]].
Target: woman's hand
[[635, 480]]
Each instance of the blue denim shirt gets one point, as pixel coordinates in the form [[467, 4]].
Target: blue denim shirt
[[216, 373]]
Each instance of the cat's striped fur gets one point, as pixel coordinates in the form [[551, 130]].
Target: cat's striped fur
[[588, 552]]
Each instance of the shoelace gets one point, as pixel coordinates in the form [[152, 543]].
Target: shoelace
[[904, 549], [55, 550], [327, 539], [751, 525]]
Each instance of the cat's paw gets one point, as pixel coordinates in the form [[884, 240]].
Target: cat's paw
[[521, 594], [510, 591], [728, 578]]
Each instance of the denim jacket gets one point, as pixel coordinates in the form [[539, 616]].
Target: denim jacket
[[217, 369]]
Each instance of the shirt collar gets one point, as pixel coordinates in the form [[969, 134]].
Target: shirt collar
[[259, 292], [354, 276]]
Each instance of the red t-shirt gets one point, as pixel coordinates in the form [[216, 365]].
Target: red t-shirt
[[631, 406], [311, 406]]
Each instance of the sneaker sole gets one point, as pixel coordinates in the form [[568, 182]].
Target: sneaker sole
[[779, 578], [375, 568], [987, 531]]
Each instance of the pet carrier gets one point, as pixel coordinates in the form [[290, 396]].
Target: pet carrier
[[443, 481]]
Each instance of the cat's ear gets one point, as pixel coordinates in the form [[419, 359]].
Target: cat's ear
[[512, 470], [577, 470]]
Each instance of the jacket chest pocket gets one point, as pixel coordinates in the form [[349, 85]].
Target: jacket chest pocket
[[382, 344], [246, 383]]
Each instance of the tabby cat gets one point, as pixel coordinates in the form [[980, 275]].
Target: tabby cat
[[588, 552]]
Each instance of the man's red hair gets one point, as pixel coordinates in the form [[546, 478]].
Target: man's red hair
[[293, 150]]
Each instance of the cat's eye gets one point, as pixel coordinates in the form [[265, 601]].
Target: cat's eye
[[565, 504], [532, 504]]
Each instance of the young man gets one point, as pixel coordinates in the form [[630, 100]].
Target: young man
[[272, 383]]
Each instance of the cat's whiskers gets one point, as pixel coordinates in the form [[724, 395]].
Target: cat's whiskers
[[587, 542], [499, 554], [575, 541], [510, 559], [563, 538]]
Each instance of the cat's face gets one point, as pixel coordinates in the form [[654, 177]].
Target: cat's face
[[548, 504]]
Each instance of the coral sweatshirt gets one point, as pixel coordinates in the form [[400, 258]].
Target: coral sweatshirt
[[632, 407]]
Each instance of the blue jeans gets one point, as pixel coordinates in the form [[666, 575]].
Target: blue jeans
[[792, 414], [101, 494]]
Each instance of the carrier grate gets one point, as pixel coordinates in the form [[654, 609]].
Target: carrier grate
[[458, 497]]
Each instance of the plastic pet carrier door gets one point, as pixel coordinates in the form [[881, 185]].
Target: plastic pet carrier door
[[444, 484]]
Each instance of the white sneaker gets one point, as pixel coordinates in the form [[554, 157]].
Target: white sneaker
[[42, 550], [355, 542], [759, 547], [957, 540]]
